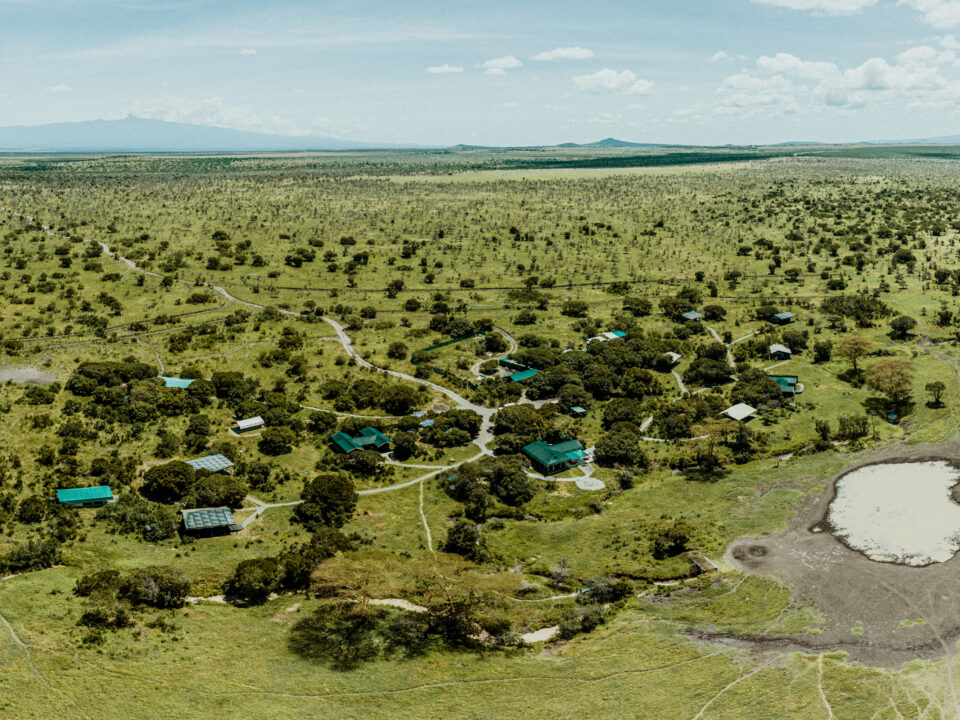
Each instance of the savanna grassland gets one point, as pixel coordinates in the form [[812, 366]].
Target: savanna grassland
[[450, 579]]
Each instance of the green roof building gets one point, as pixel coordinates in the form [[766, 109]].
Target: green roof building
[[522, 375], [512, 364], [85, 497], [552, 459], [789, 384], [368, 439]]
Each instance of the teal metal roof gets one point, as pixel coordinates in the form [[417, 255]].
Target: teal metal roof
[[523, 375], [375, 435], [206, 518], [100, 493], [566, 446], [784, 316], [175, 382], [553, 456], [787, 383], [512, 364], [343, 441], [367, 437], [213, 463]]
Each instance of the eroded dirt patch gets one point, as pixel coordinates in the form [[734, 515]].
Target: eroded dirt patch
[[864, 602], [27, 376]]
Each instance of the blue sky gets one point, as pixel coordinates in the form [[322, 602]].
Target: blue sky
[[493, 72]]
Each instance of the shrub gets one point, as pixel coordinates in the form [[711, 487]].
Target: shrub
[[253, 580], [33, 555], [328, 500], [277, 441], [159, 587], [464, 538], [167, 483], [132, 515], [672, 539]]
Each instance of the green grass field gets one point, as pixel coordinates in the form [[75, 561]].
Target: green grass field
[[552, 250]]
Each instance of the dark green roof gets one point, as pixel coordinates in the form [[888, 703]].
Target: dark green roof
[[787, 383], [367, 437], [550, 456], [100, 493], [343, 441], [566, 446], [205, 518], [512, 364]]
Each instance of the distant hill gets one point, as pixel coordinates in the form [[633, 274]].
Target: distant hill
[[134, 134], [609, 143]]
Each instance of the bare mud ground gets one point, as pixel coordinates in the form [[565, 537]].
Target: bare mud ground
[[871, 609], [27, 376]]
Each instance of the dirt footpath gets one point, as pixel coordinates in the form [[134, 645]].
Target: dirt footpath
[[871, 609]]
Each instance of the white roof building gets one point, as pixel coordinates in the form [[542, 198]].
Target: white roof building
[[740, 411], [778, 349], [250, 423]]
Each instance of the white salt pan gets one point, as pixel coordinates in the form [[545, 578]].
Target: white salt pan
[[899, 512]]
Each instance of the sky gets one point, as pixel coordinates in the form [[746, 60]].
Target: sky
[[496, 72]]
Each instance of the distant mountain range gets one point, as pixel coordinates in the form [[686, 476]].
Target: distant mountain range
[[134, 134]]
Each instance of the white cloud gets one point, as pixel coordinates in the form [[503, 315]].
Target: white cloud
[[950, 42], [788, 83], [939, 13], [499, 66], [62, 88], [830, 7], [719, 55], [608, 80], [640, 87], [789, 64], [248, 51], [444, 69], [213, 111], [744, 93], [565, 53]]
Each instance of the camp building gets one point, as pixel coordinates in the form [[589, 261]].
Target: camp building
[[789, 384], [214, 463], [85, 497], [779, 351], [552, 459], [250, 424], [512, 364], [209, 521], [368, 439], [692, 316], [740, 412], [783, 318]]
